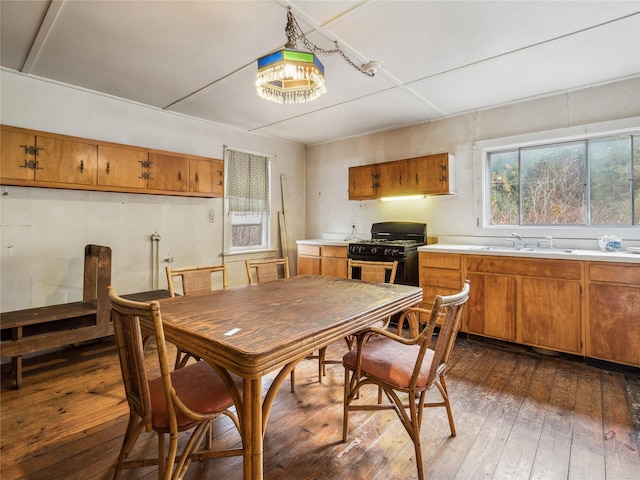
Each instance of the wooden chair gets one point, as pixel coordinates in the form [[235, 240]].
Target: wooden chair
[[267, 270], [405, 365], [189, 398], [369, 271], [194, 280]]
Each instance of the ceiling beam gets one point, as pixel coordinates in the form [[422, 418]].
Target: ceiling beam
[[43, 33]]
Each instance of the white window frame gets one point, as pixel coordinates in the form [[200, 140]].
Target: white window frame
[[481, 191], [266, 246]]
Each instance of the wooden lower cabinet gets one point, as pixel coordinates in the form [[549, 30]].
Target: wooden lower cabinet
[[333, 261], [439, 274], [613, 314], [551, 314], [573, 306], [491, 308], [531, 301], [308, 260], [327, 260]]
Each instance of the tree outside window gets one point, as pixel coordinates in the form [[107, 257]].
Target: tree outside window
[[588, 182]]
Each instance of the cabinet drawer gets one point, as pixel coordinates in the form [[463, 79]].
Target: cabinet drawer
[[615, 273], [439, 277], [530, 267], [334, 251], [440, 260], [313, 250]]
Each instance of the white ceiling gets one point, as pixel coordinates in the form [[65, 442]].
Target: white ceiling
[[439, 58]]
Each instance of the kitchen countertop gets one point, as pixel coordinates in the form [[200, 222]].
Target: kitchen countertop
[[324, 241], [621, 256]]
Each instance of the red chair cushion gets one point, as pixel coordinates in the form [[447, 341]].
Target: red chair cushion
[[198, 386], [391, 362]]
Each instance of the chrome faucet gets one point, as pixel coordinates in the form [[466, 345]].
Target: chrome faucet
[[518, 242]]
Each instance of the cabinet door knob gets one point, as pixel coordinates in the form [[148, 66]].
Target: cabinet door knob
[[108, 168], [179, 176], [197, 178], [81, 165]]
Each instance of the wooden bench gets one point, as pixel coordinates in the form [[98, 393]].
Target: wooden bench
[[37, 329]]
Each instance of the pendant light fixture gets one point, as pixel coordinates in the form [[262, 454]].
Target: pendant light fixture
[[290, 75]]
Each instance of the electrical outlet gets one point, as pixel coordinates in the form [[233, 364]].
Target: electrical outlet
[[212, 216]]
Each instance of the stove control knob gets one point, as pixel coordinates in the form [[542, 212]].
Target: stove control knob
[[374, 250]]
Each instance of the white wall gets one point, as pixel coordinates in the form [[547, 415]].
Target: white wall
[[44, 231], [329, 210]]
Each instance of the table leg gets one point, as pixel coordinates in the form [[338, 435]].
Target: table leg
[[253, 457]]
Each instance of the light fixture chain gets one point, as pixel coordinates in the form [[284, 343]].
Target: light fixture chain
[[294, 32]]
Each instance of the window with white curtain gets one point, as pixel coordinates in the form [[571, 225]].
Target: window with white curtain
[[248, 202]]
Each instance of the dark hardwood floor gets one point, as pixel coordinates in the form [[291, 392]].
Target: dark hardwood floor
[[518, 416]]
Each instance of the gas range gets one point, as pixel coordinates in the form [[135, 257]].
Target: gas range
[[393, 241], [390, 240]]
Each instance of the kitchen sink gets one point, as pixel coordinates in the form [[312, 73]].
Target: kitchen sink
[[497, 248]]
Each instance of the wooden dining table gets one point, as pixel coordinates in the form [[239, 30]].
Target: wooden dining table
[[252, 330]]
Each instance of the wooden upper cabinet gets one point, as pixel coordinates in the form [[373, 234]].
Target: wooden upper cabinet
[[393, 179], [428, 175], [40, 159], [206, 176], [18, 156], [431, 175], [363, 182], [66, 161], [121, 167], [47, 160], [168, 172]]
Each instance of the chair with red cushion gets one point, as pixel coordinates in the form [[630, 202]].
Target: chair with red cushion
[[406, 368], [366, 271], [189, 398]]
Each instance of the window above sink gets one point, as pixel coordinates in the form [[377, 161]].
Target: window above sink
[[573, 183]]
